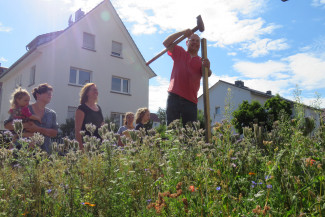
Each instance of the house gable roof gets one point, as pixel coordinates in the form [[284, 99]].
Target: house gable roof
[[266, 95], [48, 37], [260, 93]]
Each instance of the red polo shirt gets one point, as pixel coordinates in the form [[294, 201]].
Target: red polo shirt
[[186, 74]]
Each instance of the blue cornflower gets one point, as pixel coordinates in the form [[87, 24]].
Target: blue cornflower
[[269, 186], [218, 188], [267, 177]]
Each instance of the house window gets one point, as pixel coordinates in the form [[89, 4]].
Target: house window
[[88, 41], [217, 110], [117, 118], [120, 85], [116, 49], [32, 76], [71, 112], [79, 76]]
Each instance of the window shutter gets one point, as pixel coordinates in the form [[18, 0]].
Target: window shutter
[[116, 48], [88, 41]]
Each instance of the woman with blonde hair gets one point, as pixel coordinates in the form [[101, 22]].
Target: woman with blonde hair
[[48, 126], [88, 112], [142, 117], [128, 125]]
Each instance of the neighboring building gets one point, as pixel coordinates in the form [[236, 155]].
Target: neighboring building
[[155, 120], [223, 92], [96, 47]]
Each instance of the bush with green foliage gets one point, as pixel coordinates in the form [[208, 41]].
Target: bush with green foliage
[[247, 114]]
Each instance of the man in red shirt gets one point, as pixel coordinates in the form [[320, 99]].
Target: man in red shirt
[[185, 78]]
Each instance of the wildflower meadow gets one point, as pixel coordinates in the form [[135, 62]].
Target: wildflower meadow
[[173, 172]]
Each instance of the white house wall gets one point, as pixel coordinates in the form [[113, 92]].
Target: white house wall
[[218, 95], [53, 66]]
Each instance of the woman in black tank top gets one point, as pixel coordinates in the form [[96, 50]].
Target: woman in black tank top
[[88, 112]]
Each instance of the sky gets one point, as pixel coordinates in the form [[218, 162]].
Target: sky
[[268, 44]]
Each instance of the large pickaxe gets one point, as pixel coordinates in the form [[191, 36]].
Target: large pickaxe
[[200, 27]]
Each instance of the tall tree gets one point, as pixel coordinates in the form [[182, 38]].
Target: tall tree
[[274, 106], [162, 116], [247, 114]]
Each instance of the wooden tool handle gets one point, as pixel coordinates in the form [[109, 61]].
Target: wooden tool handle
[[174, 43]]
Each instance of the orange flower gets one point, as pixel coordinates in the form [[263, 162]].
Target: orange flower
[[312, 162], [251, 173], [192, 188], [86, 203], [92, 204]]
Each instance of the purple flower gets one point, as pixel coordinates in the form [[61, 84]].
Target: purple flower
[[211, 169], [269, 186], [146, 170], [267, 177], [148, 201], [49, 191], [218, 188], [253, 186], [254, 182], [260, 183]]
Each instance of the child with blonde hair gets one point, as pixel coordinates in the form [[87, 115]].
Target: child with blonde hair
[[19, 106]]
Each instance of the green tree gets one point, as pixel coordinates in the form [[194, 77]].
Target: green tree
[[162, 116], [274, 106], [247, 114]]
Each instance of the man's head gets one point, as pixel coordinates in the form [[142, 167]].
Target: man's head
[[193, 44]]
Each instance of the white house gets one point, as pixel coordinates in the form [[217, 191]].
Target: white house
[[95, 47], [223, 94]]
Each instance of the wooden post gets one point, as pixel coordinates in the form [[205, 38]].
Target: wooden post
[[206, 99]]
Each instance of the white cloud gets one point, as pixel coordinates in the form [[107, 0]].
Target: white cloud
[[2, 59], [304, 69], [269, 69], [308, 70], [263, 47], [318, 3], [4, 28], [158, 93]]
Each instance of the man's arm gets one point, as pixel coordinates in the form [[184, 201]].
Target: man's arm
[[170, 39]]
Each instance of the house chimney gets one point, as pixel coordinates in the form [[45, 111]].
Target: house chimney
[[269, 92], [239, 83], [70, 22], [78, 15]]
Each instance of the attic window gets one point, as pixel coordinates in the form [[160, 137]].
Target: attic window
[[88, 41], [116, 49]]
